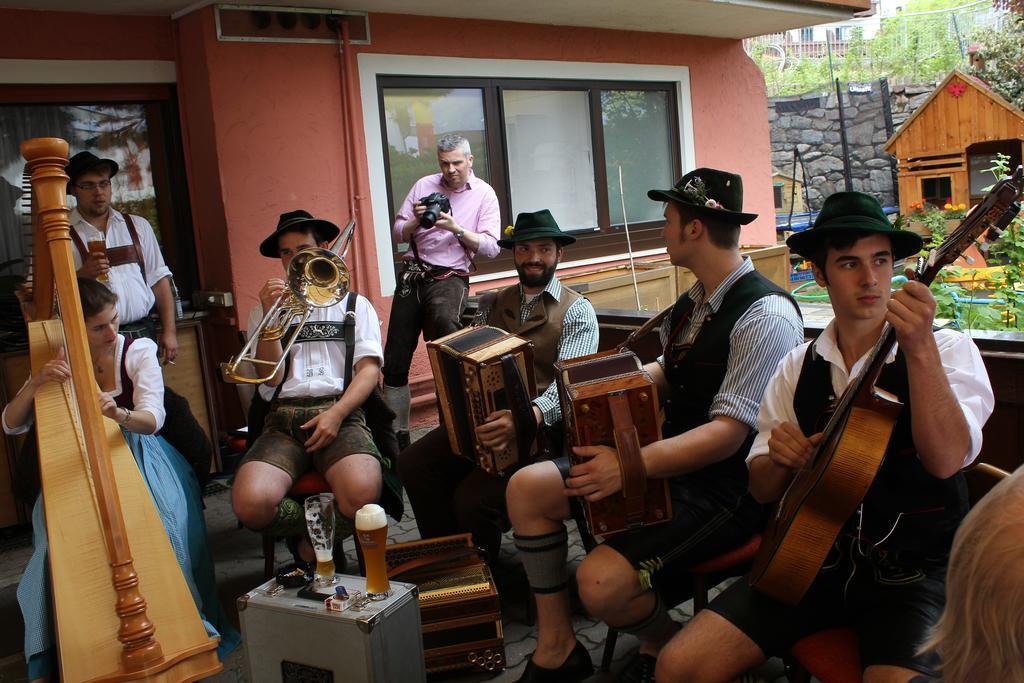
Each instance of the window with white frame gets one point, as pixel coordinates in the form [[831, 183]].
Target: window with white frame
[[541, 144]]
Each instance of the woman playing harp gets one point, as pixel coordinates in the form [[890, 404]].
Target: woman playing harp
[[131, 393]]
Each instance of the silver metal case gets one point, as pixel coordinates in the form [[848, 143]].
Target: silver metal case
[[291, 639]]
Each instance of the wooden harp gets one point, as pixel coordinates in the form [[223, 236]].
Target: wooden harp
[[122, 609]]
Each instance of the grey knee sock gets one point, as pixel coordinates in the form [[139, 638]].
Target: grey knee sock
[[545, 560], [656, 626], [397, 399]]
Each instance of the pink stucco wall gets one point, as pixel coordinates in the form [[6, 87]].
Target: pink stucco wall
[[30, 34]]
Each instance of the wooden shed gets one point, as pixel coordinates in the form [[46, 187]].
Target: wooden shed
[[944, 148], [786, 195]]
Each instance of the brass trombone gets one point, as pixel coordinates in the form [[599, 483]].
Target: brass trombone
[[317, 278]]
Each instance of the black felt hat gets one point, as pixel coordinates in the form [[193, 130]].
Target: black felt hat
[[87, 161], [853, 212], [709, 192], [535, 226], [325, 231]]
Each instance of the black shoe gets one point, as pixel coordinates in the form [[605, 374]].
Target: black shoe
[[576, 667], [403, 439], [639, 669]]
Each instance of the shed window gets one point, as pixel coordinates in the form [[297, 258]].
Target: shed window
[[937, 191]]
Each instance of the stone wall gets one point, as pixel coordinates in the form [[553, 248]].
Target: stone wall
[[809, 124]]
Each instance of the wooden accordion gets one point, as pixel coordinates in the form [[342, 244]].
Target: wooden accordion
[[459, 606], [479, 370], [610, 400]]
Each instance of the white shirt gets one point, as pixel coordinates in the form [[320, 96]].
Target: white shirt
[[961, 361], [144, 370], [317, 368], [135, 296]]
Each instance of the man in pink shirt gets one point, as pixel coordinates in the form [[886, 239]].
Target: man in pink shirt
[[434, 279]]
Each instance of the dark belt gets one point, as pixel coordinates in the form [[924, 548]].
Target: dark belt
[[426, 271], [144, 327], [304, 402]]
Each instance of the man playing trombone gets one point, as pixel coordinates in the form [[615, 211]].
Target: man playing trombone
[[315, 420]]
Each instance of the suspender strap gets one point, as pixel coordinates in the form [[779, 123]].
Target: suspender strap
[[79, 244], [350, 336], [138, 247]]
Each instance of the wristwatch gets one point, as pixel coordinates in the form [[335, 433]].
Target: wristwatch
[[459, 233]]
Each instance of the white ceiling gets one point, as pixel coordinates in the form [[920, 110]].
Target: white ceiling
[[718, 18]]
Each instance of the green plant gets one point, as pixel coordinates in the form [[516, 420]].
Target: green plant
[[935, 222], [1008, 251], [1004, 59]]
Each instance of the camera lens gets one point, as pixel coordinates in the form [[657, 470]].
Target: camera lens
[[429, 216]]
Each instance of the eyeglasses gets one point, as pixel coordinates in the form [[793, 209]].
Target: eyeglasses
[[92, 187]]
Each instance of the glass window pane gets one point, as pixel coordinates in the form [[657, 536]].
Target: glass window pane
[[636, 137], [415, 118], [550, 159], [937, 192], [117, 132]]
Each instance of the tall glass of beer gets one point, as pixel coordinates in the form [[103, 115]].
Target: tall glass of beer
[[97, 244], [372, 532], [320, 521]]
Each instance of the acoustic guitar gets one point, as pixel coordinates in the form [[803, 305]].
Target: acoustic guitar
[[826, 492]]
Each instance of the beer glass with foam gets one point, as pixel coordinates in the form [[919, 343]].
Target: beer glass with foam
[[320, 521], [372, 532], [97, 244]]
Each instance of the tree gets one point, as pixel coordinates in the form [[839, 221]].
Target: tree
[[1004, 60]]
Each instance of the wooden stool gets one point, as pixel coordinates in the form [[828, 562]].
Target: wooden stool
[[831, 656]]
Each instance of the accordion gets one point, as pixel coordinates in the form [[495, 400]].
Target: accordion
[[610, 400], [479, 370], [459, 606]]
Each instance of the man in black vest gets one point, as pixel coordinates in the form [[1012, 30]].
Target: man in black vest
[[722, 342], [451, 494], [885, 574]]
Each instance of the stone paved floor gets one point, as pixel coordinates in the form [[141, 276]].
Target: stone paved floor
[[239, 566]]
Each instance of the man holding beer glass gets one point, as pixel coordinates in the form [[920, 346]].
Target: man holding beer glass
[[121, 251]]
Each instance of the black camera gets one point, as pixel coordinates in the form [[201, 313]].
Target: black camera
[[435, 204]]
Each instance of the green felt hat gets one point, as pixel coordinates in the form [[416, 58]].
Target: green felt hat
[[709, 192], [853, 212], [534, 226]]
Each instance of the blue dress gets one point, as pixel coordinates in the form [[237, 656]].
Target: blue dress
[[178, 499]]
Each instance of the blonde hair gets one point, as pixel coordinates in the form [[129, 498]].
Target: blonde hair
[[980, 636]]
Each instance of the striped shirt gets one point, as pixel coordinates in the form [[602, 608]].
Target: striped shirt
[[762, 336], [579, 337]]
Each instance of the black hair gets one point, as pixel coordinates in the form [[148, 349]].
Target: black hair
[[839, 239], [304, 230], [721, 233]]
